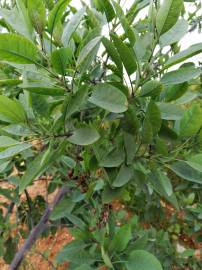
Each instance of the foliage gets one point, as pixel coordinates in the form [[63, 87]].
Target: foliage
[[118, 118]]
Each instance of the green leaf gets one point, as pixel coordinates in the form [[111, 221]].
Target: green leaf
[[18, 130], [126, 54], [152, 122], [11, 111], [23, 13], [153, 114], [170, 111], [151, 89], [188, 253], [112, 52], [60, 60], [182, 56], [34, 170], [168, 133], [75, 220], [14, 150], [130, 122], [162, 186], [143, 260], [191, 121], [147, 134], [37, 14], [6, 142], [77, 100], [72, 26], [3, 165], [57, 34], [109, 98], [187, 97], [17, 21], [62, 209], [181, 75], [84, 136], [17, 49], [168, 15], [161, 146], [113, 159], [121, 238], [125, 24], [70, 251], [56, 14], [174, 92], [124, 176], [196, 162], [135, 8], [105, 6], [69, 162], [187, 172], [174, 34], [130, 147], [106, 258], [164, 181], [109, 195], [86, 51]]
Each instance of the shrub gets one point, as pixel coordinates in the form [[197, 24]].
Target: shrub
[[104, 107]]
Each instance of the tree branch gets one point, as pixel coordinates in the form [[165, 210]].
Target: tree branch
[[37, 230]]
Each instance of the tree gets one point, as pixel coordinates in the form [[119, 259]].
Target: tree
[[117, 117]]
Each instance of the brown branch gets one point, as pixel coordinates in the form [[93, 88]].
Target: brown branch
[[37, 230]]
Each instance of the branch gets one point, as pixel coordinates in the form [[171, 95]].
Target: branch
[[37, 230]]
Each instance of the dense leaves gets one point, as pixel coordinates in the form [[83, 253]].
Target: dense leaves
[[100, 106]]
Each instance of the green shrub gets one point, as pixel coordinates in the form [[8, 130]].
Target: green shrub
[[102, 103]]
